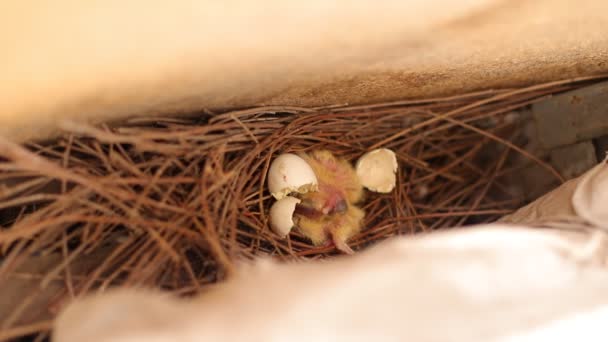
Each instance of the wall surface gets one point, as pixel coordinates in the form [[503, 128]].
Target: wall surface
[[102, 60]]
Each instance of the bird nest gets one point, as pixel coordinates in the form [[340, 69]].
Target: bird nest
[[175, 203]]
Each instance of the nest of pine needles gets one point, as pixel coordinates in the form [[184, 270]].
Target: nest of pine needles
[[174, 203]]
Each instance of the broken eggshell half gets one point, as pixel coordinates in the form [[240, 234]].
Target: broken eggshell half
[[377, 170], [281, 215], [290, 173]]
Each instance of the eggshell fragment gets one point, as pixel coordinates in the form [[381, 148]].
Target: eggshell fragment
[[281, 215], [377, 170], [290, 173]]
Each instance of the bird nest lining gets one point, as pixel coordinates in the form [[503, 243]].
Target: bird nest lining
[[174, 202]]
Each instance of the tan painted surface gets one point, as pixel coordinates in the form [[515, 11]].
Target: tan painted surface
[[101, 60]]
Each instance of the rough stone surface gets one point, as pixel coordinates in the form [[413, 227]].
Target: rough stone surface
[[573, 117], [573, 160], [531, 182]]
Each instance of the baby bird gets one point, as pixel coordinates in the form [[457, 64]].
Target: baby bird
[[330, 215]]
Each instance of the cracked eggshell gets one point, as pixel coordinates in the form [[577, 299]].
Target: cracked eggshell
[[281, 215], [377, 170], [290, 173]]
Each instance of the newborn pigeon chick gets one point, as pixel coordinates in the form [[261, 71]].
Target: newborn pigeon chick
[[330, 215]]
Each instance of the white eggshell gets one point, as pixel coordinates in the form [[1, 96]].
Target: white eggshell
[[281, 215], [377, 170], [290, 173]]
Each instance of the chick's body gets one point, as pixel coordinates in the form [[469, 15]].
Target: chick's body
[[330, 214]]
